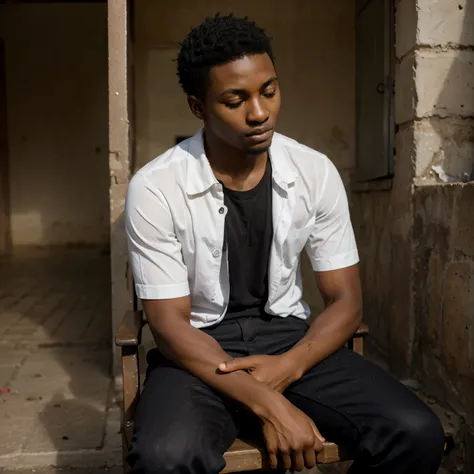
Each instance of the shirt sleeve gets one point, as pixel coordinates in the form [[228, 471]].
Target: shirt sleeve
[[331, 244], [154, 250]]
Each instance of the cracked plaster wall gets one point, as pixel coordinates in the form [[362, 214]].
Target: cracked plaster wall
[[416, 239]]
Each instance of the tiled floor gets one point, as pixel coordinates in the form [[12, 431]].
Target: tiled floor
[[55, 297], [57, 402]]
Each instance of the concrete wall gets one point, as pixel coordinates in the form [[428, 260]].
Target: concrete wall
[[56, 74], [443, 286], [417, 238]]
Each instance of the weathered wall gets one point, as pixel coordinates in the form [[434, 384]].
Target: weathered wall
[[56, 78], [417, 237], [382, 220], [443, 285]]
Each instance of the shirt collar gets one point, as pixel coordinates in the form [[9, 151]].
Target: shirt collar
[[283, 169], [200, 177]]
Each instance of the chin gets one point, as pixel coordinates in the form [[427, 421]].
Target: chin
[[258, 150]]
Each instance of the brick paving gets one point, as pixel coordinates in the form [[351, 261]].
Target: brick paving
[[57, 406]]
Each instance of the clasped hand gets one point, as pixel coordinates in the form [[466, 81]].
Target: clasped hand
[[289, 434], [275, 371]]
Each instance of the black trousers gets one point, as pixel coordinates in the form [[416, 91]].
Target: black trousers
[[185, 427]]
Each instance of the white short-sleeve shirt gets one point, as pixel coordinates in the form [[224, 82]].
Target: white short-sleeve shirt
[[175, 216]]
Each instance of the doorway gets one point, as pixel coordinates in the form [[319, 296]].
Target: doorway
[[54, 173]]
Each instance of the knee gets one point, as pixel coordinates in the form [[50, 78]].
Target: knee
[[171, 455], [152, 455], [422, 433]]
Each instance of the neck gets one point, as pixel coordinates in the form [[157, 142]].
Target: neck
[[228, 160]]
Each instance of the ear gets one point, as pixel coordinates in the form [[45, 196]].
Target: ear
[[196, 106]]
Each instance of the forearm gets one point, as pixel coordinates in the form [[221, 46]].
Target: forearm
[[328, 333], [200, 354]]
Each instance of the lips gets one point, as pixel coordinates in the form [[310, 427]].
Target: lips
[[260, 136]]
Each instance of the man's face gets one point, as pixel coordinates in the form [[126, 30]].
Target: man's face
[[242, 102]]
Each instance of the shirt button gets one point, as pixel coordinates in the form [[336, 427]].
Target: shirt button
[[221, 210], [216, 253]]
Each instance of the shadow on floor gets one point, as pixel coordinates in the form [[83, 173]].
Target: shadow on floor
[[55, 316]]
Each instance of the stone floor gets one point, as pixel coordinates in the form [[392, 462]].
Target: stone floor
[[57, 402]]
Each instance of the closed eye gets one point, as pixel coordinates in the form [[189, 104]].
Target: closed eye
[[234, 105]]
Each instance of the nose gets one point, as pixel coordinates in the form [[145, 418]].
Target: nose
[[256, 112]]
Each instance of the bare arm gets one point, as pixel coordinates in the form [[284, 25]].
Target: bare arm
[[199, 353], [332, 251], [338, 322], [328, 333]]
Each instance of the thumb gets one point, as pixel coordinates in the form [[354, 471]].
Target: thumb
[[240, 363], [318, 435]]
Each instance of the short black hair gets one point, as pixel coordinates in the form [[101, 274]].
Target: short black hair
[[218, 40]]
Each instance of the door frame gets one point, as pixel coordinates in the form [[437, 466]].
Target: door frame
[[5, 211]]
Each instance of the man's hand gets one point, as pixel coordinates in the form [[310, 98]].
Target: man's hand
[[290, 435], [278, 372]]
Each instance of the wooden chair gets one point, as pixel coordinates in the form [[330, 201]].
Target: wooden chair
[[241, 456]]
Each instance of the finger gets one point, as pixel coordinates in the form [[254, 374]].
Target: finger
[[317, 433], [309, 458], [240, 363], [318, 440], [298, 461], [272, 460], [286, 461], [271, 444], [318, 445]]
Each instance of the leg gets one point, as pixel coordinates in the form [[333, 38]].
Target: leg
[[181, 425], [367, 412]]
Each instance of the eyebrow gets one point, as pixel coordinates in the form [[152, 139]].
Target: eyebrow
[[239, 91]]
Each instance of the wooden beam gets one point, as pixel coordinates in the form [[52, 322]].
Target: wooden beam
[[119, 159]]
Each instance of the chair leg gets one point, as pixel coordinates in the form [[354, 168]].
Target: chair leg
[[126, 467], [131, 395], [359, 345]]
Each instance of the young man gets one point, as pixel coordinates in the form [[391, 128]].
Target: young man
[[215, 227]]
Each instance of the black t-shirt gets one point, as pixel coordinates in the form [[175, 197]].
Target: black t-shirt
[[248, 234]]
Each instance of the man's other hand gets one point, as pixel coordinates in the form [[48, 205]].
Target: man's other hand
[[291, 438], [278, 372]]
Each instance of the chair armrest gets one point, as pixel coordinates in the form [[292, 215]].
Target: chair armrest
[[362, 331], [130, 330]]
